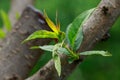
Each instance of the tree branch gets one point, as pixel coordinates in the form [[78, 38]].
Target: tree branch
[[94, 28], [16, 59]]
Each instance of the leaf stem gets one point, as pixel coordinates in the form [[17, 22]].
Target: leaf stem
[[72, 54]]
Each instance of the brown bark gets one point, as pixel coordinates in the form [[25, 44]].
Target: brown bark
[[94, 28], [16, 59]]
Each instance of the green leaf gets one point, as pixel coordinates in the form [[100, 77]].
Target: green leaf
[[63, 51], [34, 47], [47, 47], [6, 20], [56, 58], [41, 34], [50, 48], [74, 32], [103, 53], [2, 34], [57, 62], [61, 36]]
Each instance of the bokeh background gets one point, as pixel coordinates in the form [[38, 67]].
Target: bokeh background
[[94, 67]]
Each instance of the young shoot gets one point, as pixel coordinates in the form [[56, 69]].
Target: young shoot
[[67, 43]]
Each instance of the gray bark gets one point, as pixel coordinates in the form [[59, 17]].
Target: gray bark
[[94, 29], [16, 59]]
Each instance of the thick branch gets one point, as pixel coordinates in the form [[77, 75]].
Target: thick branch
[[16, 59], [94, 28]]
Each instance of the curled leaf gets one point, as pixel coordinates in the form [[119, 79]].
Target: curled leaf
[[50, 23]]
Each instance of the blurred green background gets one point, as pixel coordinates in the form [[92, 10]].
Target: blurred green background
[[93, 67]]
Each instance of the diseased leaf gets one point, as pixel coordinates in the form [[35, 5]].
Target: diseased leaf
[[6, 20], [50, 23], [103, 53], [74, 32], [57, 22], [41, 34]]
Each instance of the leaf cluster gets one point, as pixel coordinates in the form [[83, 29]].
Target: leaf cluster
[[68, 43]]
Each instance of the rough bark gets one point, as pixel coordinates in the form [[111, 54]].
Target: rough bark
[[94, 28], [16, 59]]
